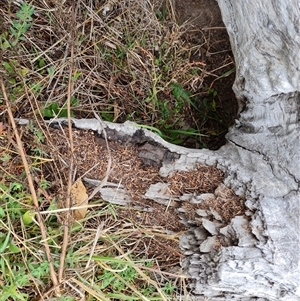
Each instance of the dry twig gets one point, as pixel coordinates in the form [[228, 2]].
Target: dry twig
[[68, 202], [31, 187]]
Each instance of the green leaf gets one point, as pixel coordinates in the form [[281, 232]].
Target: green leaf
[[76, 75], [54, 107], [51, 110], [24, 71], [35, 87], [28, 217], [64, 113], [5, 44], [180, 93], [213, 105], [2, 212], [107, 116], [48, 113], [188, 132], [8, 67], [51, 71], [4, 244], [41, 63], [12, 80], [13, 248], [74, 101]]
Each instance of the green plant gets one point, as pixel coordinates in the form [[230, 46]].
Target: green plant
[[18, 275], [183, 97], [53, 110], [169, 288], [19, 26], [19, 269], [162, 12], [10, 292], [108, 114], [208, 110], [23, 23], [121, 279]]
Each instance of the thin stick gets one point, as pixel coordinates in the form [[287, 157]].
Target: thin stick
[[31, 187], [68, 197], [98, 233], [109, 168]]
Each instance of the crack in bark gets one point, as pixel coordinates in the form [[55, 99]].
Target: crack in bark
[[249, 150]]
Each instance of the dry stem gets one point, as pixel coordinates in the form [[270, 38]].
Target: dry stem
[[70, 176], [31, 187]]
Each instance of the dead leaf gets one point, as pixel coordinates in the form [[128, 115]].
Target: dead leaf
[[3, 129], [79, 199]]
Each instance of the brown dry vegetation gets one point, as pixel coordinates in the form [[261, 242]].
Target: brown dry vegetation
[[129, 58]]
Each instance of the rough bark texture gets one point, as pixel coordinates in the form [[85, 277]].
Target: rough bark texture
[[262, 158], [258, 258]]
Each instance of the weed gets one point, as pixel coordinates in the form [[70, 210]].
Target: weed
[[19, 26], [120, 275], [53, 110], [161, 12], [23, 23]]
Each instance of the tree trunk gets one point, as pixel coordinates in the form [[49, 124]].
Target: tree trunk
[[262, 158]]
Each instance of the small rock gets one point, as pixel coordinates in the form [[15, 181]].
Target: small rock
[[243, 231], [115, 196], [200, 234], [161, 194]]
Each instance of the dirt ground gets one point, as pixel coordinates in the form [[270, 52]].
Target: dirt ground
[[207, 29]]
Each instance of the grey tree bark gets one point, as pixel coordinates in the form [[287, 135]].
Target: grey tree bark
[[262, 158], [261, 162]]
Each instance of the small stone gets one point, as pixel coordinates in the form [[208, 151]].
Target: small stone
[[160, 193], [115, 196], [200, 234], [243, 232]]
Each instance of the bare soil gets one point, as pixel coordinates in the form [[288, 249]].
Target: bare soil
[[207, 29]]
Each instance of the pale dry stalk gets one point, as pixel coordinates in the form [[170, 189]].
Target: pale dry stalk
[[32, 189], [68, 204]]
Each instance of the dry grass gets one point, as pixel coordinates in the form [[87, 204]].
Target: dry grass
[[125, 59], [118, 58]]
